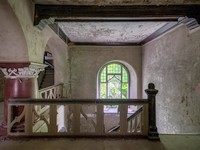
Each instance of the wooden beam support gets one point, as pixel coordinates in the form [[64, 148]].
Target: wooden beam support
[[115, 13], [103, 44], [191, 23]]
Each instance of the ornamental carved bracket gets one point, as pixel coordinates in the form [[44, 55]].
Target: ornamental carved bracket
[[30, 71]]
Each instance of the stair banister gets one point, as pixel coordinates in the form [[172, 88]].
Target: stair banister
[[151, 93]]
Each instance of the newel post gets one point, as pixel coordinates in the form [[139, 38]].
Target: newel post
[[151, 93]]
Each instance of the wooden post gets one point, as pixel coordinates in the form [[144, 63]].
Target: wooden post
[[53, 128], [152, 131]]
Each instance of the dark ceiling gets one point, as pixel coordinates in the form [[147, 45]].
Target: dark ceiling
[[113, 24]]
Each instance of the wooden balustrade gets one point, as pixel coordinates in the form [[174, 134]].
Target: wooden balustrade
[[81, 117], [84, 117], [52, 92]]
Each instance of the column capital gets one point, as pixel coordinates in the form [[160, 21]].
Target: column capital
[[21, 70], [151, 89]]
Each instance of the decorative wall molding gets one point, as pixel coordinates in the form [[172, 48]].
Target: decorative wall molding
[[25, 72], [44, 22], [30, 71]]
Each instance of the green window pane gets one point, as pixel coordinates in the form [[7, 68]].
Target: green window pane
[[114, 68], [114, 76], [119, 77], [110, 77], [103, 75], [114, 82], [124, 75], [124, 90], [103, 90], [114, 88]]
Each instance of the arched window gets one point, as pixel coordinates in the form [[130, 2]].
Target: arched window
[[114, 82]]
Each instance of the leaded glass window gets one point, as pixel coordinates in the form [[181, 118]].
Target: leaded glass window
[[114, 82]]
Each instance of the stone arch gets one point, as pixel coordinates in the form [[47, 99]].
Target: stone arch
[[133, 78], [14, 46], [59, 51]]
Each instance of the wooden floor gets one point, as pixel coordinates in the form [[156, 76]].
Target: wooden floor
[[167, 142]]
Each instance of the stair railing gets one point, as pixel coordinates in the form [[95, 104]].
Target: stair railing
[[132, 122], [92, 123], [51, 92], [40, 112]]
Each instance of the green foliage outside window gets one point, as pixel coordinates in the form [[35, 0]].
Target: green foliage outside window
[[114, 82]]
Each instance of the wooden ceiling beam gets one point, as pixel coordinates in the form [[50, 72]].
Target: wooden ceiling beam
[[115, 13]]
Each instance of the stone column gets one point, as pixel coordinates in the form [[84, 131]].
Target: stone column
[[21, 82], [151, 92]]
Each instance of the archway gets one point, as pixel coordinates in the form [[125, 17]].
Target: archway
[[133, 87], [14, 47]]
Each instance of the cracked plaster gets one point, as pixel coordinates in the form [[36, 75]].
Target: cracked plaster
[[128, 32]]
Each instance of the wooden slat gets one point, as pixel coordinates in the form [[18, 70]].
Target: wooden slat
[[99, 128], [123, 118], [28, 119], [76, 119], [100, 120], [53, 128]]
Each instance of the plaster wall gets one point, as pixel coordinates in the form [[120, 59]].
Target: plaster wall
[[59, 50], [36, 39], [172, 62], [86, 61], [12, 42], [23, 42]]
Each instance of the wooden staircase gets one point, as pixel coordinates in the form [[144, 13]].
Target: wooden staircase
[[46, 77], [117, 127]]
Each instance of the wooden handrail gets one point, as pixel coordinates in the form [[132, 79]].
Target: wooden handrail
[[136, 124], [135, 114], [78, 101], [50, 87]]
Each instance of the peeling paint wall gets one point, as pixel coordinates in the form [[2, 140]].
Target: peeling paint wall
[[86, 61], [20, 41], [59, 50], [36, 39], [172, 62], [109, 32], [12, 41]]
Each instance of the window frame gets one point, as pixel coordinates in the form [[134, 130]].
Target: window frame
[[99, 79]]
